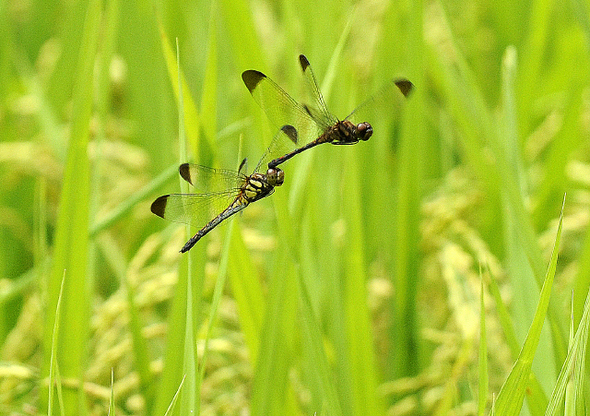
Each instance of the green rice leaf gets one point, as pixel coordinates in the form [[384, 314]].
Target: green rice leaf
[[71, 240], [571, 376], [512, 393], [483, 356]]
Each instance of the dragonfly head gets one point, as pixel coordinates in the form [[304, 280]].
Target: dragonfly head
[[364, 131], [275, 176]]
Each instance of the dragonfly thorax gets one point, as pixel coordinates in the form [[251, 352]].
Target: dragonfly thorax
[[258, 186], [346, 132]]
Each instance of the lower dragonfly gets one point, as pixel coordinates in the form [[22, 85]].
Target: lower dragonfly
[[232, 190]]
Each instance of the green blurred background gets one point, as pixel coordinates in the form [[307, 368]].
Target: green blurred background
[[355, 288]]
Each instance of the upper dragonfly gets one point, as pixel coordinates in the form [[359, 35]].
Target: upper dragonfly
[[229, 192], [314, 125]]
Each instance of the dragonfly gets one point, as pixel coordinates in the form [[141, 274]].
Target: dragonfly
[[314, 124], [230, 192]]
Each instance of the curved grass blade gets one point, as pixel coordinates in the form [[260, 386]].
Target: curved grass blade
[[483, 355], [71, 240], [512, 393], [175, 398], [572, 370]]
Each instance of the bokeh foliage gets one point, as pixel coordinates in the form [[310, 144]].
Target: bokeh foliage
[[355, 288]]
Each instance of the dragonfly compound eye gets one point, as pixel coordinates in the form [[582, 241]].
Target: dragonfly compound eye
[[275, 176], [364, 131]]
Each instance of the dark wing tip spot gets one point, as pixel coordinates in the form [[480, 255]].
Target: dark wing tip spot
[[404, 86], [251, 78], [303, 62], [159, 206], [291, 132], [185, 172]]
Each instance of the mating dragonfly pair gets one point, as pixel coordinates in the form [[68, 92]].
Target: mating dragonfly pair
[[304, 126]]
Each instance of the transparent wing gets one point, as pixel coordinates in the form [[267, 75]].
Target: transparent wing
[[280, 108], [221, 186], [282, 143], [387, 101], [211, 180], [318, 109], [193, 209]]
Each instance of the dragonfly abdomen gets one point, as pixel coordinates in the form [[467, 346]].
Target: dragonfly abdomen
[[239, 204]]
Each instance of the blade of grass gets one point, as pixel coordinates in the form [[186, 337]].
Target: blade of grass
[[219, 285], [71, 241], [188, 291], [244, 41], [533, 48], [321, 381], [175, 338], [217, 292], [191, 397], [570, 399], [573, 368], [582, 280], [409, 173], [579, 379], [258, 326], [248, 293], [191, 116], [361, 353], [112, 396], [483, 383], [209, 96], [321, 370], [503, 316], [512, 393], [451, 390], [270, 392], [276, 331], [468, 108], [54, 379], [517, 256], [566, 141], [538, 400], [140, 348], [175, 398]]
